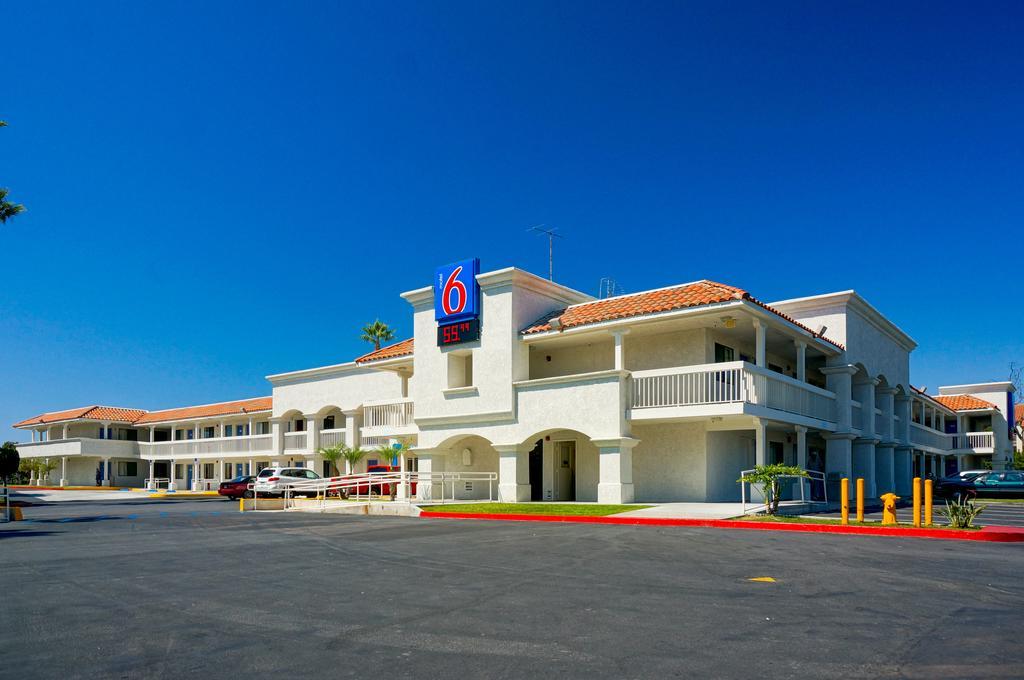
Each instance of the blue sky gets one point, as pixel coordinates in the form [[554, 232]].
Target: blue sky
[[219, 191]]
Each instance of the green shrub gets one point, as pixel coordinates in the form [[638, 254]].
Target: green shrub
[[961, 513]]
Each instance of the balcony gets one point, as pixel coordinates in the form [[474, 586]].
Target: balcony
[[976, 442], [388, 419], [294, 441], [80, 446], [329, 438], [725, 389], [968, 442], [207, 448]]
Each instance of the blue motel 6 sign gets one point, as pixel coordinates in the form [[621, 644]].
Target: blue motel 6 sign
[[456, 292]]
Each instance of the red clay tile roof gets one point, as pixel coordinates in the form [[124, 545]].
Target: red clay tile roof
[[687, 295], [399, 349], [111, 413], [963, 402], [224, 408]]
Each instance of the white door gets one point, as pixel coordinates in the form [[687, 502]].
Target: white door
[[565, 470]]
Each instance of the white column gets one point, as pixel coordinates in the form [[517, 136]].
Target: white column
[[277, 427], [839, 379], [152, 466], [107, 472], [903, 472], [801, 447], [885, 470], [615, 459], [312, 432], [760, 454], [760, 332], [252, 468], [620, 357], [403, 488], [64, 471], [251, 430], [220, 470], [353, 422], [197, 473], [34, 433], [64, 431], [838, 462], [514, 474], [172, 484], [801, 360]]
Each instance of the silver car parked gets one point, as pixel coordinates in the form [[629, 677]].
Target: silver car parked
[[273, 481]]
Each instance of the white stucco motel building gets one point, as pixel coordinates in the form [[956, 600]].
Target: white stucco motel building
[[662, 395]]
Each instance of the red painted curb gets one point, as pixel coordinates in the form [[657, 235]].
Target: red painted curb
[[989, 533]]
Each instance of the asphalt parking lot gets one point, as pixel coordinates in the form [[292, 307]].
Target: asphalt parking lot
[[166, 589]]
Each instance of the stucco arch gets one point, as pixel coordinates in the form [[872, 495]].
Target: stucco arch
[[557, 482]]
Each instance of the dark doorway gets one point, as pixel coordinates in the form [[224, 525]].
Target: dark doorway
[[537, 471]]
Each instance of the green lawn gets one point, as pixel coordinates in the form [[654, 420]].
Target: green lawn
[[788, 519], [567, 509]]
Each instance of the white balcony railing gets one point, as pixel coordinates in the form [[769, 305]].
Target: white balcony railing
[[732, 382], [329, 438], [294, 441], [183, 448], [974, 441], [926, 436], [396, 414]]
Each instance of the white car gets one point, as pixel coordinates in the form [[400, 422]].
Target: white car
[[273, 481]]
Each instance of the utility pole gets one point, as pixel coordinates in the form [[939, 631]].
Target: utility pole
[[550, 233]]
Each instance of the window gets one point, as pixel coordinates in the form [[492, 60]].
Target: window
[[209, 432], [460, 369], [775, 453], [724, 354], [209, 470], [240, 430], [191, 434], [127, 468], [263, 427], [227, 471], [262, 465], [298, 425], [178, 471], [329, 423]]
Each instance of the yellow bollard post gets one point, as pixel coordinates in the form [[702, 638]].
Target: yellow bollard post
[[860, 499], [917, 501], [241, 505], [927, 502], [844, 494], [889, 508]]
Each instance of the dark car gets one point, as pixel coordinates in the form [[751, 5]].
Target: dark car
[[993, 484], [237, 487]]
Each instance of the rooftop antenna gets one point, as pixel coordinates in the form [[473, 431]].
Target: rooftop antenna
[[550, 233], [609, 287]]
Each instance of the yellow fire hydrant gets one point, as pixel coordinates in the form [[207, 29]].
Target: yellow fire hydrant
[[889, 508]]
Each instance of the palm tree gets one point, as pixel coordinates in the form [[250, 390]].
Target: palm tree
[[377, 332], [8, 209]]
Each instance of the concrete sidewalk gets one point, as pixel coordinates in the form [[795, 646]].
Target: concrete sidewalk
[[688, 511]]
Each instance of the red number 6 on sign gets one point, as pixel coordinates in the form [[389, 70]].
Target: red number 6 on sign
[[453, 285]]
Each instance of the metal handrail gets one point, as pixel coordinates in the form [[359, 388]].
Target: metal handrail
[[812, 476], [381, 481]]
